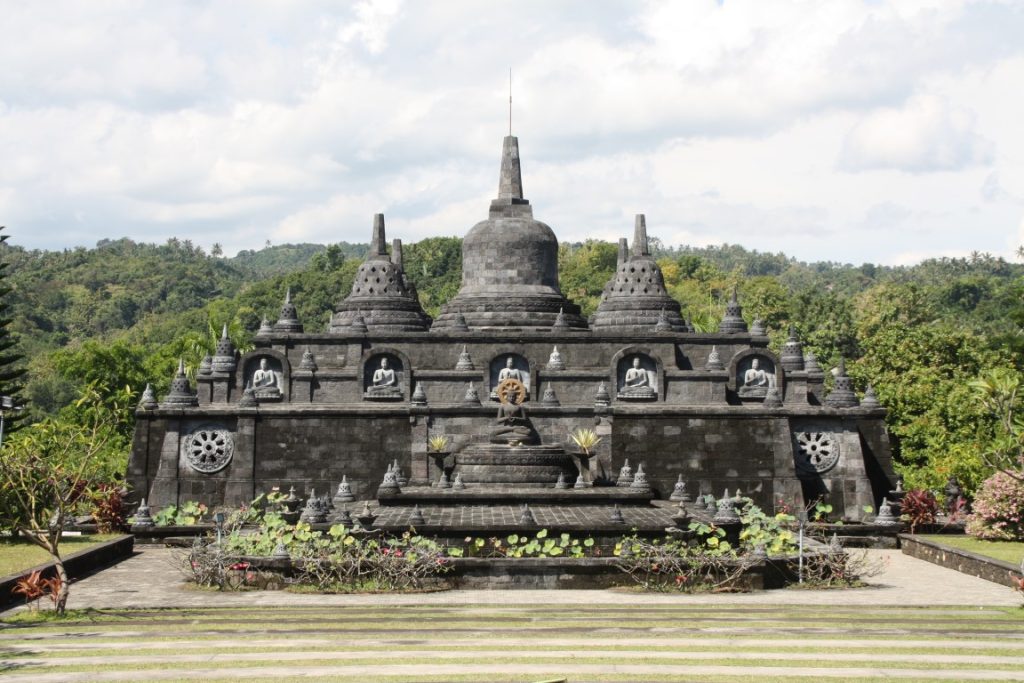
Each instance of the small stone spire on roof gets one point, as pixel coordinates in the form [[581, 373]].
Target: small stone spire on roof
[[465, 362], [180, 395], [714, 360], [288, 321], [223, 359], [792, 356], [148, 401], [733, 321], [623, 251], [842, 394], [870, 398]]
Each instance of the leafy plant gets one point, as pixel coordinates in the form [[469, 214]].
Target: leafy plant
[[771, 533], [189, 514], [585, 439], [108, 507], [34, 586], [919, 507], [31, 587], [821, 511], [438, 443], [1001, 392]]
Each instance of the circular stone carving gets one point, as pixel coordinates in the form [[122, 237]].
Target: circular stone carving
[[817, 452], [208, 449], [511, 391]]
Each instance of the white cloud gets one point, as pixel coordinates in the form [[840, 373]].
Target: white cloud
[[927, 134], [721, 121]]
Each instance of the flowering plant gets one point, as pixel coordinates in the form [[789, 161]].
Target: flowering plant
[[998, 509]]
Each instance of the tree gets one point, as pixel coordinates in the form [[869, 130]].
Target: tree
[[51, 470], [11, 371], [999, 391]]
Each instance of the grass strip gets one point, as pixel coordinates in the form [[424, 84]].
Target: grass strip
[[17, 554], [1007, 551], [570, 662], [287, 646]]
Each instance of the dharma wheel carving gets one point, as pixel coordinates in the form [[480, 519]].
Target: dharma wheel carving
[[816, 452], [208, 449]]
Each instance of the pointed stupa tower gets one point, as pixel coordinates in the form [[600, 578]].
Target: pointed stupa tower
[[381, 292], [224, 358], [288, 321], [636, 296], [181, 394], [732, 322], [509, 264]]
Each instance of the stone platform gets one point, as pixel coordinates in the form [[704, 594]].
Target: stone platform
[[512, 495], [502, 464]]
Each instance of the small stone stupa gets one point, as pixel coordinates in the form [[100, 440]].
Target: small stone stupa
[[636, 296], [381, 292]]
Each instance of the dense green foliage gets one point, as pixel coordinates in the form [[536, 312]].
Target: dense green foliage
[[11, 370], [117, 316]]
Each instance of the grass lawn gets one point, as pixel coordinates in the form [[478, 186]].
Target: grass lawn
[[18, 554], [394, 643], [1007, 551]]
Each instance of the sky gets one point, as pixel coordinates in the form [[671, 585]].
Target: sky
[[849, 130]]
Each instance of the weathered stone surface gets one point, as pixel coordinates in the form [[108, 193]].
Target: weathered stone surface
[[326, 421]]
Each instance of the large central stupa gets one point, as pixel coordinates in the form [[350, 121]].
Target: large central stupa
[[509, 264]]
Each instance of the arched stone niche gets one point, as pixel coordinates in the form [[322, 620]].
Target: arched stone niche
[[509, 365], [267, 371], [638, 375], [753, 372], [385, 376]]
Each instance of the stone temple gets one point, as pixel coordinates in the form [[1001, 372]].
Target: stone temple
[[508, 372]]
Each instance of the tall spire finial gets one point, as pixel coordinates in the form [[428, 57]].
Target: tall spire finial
[[378, 244], [510, 101], [640, 247], [511, 183]]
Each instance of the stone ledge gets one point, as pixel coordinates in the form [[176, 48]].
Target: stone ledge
[[77, 565], [959, 560]]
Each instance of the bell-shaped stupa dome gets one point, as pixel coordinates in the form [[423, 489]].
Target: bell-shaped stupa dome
[[509, 264]]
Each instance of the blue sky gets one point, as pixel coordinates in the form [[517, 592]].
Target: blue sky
[[843, 130]]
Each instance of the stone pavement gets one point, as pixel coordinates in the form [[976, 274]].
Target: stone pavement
[[152, 578]]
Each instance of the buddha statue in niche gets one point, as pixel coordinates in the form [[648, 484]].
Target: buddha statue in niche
[[384, 382], [510, 371], [756, 380], [265, 381], [637, 382]]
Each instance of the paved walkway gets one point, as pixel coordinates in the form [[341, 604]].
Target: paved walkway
[[152, 578]]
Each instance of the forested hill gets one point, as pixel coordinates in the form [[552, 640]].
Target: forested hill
[[122, 313]]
